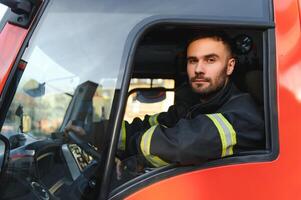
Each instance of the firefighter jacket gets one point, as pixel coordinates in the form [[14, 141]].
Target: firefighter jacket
[[191, 133]]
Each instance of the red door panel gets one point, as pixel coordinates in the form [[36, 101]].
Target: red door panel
[[11, 40], [280, 179]]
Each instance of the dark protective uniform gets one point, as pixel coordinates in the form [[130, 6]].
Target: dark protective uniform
[[192, 132]]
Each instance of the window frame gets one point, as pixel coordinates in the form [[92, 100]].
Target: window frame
[[270, 102]]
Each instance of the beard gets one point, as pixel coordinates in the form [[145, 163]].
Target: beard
[[209, 87]]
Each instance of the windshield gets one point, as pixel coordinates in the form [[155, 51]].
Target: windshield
[[46, 90], [72, 70]]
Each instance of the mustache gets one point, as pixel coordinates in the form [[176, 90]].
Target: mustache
[[200, 77]]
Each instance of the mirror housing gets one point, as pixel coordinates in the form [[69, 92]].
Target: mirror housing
[[33, 88]]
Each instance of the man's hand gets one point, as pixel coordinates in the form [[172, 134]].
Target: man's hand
[[119, 168], [79, 131]]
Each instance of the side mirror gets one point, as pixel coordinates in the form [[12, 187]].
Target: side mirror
[[150, 95], [33, 88], [4, 153]]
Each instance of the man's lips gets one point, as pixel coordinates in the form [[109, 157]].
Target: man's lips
[[197, 80]]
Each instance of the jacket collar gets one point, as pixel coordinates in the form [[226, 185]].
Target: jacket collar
[[215, 102]]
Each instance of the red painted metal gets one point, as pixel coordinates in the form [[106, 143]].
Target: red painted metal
[[11, 40], [277, 180]]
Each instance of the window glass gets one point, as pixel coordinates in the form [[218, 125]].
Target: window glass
[[3, 10]]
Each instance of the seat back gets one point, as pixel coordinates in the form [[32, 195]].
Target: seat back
[[254, 85]]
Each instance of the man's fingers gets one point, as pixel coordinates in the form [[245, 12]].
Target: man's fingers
[[76, 129], [119, 168]]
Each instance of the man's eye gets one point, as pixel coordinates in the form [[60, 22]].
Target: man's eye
[[192, 61], [211, 60]]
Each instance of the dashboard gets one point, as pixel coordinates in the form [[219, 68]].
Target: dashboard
[[45, 170], [81, 157]]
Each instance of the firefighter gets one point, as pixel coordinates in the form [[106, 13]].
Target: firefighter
[[212, 120], [215, 121]]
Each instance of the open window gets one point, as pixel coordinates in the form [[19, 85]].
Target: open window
[[161, 54]]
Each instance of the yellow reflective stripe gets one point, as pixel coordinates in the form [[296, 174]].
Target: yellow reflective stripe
[[153, 120], [145, 148], [221, 134], [226, 132], [122, 137], [232, 132]]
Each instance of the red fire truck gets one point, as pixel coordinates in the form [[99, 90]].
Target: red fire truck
[[99, 62]]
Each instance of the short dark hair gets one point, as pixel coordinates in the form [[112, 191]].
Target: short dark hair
[[216, 35]]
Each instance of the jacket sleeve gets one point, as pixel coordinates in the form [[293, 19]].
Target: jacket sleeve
[[166, 119], [190, 141], [173, 115]]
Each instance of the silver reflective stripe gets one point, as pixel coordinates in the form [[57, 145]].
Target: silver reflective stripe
[[226, 132]]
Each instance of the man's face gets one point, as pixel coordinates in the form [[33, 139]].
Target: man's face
[[209, 65]]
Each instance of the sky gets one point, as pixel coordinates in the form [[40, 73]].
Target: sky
[[3, 8]]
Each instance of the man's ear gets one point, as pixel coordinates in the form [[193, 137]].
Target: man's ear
[[230, 66]]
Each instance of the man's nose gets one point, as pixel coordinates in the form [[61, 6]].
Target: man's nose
[[199, 68]]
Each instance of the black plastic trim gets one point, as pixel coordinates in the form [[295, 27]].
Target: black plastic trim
[[128, 57], [6, 154], [21, 20], [22, 16], [9, 88], [271, 9], [270, 92]]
